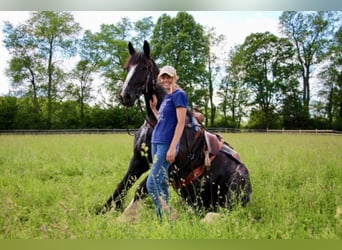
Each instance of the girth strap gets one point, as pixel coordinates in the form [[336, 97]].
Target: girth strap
[[197, 172]]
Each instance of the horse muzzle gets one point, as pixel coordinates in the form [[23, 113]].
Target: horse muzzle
[[127, 99]]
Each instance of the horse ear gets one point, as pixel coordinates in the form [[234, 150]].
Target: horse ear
[[147, 49], [130, 48]]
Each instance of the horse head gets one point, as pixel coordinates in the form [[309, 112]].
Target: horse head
[[141, 76]]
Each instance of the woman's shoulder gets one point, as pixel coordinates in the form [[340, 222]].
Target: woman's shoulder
[[180, 98], [179, 91]]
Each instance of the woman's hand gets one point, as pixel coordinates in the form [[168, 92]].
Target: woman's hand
[[154, 102], [171, 155]]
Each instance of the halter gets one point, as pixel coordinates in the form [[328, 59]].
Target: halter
[[146, 87]]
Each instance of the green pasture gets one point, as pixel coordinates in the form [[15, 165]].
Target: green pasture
[[50, 186]]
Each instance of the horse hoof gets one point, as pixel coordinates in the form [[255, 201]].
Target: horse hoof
[[101, 210], [131, 213], [211, 218], [105, 209]]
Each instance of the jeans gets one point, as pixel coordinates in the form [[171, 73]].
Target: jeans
[[158, 179]]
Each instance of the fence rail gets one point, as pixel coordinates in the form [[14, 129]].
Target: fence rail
[[122, 131], [279, 131]]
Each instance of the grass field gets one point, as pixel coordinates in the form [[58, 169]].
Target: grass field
[[51, 184]]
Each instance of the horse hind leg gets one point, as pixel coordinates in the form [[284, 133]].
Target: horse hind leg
[[240, 188]]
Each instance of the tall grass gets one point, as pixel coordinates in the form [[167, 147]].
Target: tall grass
[[51, 184]]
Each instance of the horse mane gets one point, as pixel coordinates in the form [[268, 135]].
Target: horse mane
[[137, 58]]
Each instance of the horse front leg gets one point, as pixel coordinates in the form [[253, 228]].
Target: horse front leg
[[137, 167]]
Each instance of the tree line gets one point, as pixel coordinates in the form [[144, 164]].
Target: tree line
[[65, 77]]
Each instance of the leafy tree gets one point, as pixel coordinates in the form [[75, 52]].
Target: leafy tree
[[234, 101], [182, 43], [213, 70], [310, 33], [81, 87], [38, 47], [115, 117], [267, 64], [331, 76], [66, 115], [233, 91], [292, 109], [26, 118], [8, 112], [26, 70], [106, 50], [142, 30]]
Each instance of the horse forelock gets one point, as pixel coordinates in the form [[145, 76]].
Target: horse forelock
[[136, 58]]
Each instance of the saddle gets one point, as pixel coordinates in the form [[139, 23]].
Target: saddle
[[215, 144]]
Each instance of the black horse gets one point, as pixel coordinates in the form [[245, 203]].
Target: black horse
[[207, 173]]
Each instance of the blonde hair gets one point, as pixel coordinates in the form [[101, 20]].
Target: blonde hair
[[171, 72], [174, 81]]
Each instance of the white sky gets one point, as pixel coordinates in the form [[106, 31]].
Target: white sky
[[235, 25]]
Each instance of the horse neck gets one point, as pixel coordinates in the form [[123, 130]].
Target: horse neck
[[160, 94]]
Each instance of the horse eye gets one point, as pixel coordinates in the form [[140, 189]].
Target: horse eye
[[144, 68]]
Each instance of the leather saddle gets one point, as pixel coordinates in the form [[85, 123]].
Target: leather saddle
[[215, 144]]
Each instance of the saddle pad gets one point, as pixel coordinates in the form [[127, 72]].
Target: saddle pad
[[231, 152]]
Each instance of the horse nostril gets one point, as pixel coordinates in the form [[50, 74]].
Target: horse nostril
[[128, 97], [124, 98]]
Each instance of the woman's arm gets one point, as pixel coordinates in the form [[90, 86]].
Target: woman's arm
[[181, 115]]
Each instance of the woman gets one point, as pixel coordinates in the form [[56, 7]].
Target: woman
[[165, 139]]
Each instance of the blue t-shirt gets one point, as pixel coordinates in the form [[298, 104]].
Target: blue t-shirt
[[167, 116]]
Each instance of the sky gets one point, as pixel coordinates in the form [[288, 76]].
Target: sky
[[235, 25]]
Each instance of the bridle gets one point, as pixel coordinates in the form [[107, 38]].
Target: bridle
[[145, 89]]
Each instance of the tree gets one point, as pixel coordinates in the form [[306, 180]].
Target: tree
[[310, 33], [267, 63], [81, 86], [213, 69], [8, 112], [142, 30], [26, 70], [182, 43], [107, 52], [292, 109], [39, 46], [233, 91], [331, 76]]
